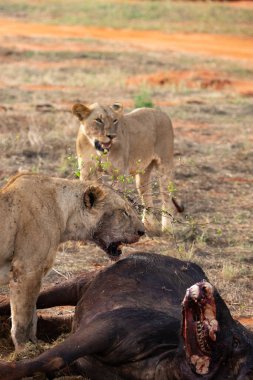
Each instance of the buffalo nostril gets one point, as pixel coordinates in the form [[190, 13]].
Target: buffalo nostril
[[141, 232]]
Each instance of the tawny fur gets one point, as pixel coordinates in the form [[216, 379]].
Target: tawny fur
[[136, 143], [39, 212]]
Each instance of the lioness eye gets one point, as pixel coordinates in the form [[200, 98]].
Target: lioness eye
[[115, 121], [99, 121], [125, 213]]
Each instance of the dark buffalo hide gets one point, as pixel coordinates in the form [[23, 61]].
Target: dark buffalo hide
[[145, 317]]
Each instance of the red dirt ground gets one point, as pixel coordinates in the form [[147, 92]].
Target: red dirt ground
[[216, 45], [242, 4], [195, 79], [213, 45], [248, 322]]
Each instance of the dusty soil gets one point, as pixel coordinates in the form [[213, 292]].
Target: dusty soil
[[203, 81], [213, 45], [195, 79], [242, 4]]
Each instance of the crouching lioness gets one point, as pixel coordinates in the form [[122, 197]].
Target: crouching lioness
[[133, 143], [37, 213]]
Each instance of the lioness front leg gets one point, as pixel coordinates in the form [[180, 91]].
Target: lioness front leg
[[144, 187], [24, 290], [165, 175], [26, 277]]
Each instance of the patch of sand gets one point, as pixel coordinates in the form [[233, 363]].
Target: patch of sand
[[231, 47]]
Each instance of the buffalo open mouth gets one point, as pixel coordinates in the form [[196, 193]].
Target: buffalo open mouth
[[199, 326], [102, 146]]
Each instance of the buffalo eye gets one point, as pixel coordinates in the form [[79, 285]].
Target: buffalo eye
[[98, 120], [236, 342]]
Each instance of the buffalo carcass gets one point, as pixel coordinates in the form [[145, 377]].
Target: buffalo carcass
[[127, 325]]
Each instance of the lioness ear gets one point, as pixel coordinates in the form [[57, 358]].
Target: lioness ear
[[117, 107], [81, 111], [91, 195]]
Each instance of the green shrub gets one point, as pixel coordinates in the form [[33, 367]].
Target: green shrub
[[143, 99]]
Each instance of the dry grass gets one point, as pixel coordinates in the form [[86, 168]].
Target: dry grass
[[213, 145], [169, 16]]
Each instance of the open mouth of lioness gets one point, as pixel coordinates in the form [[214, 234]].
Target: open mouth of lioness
[[113, 250], [200, 327], [102, 146]]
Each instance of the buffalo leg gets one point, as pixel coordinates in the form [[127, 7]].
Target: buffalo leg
[[51, 327], [95, 370], [94, 338], [66, 293]]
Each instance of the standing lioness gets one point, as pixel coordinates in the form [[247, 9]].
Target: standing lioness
[[135, 143], [36, 214]]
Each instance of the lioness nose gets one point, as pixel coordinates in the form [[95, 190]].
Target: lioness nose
[[141, 232], [111, 136]]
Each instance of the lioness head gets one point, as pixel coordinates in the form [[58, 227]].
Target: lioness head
[[99, 123], [106, 219]]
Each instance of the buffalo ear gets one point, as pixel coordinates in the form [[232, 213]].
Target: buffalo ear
[[81, 111], [92, 195], [117, 107]]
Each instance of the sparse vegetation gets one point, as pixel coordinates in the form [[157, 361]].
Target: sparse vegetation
[[230, 272], [169, 16], [143, 99], [69, 165], [43, 77]]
